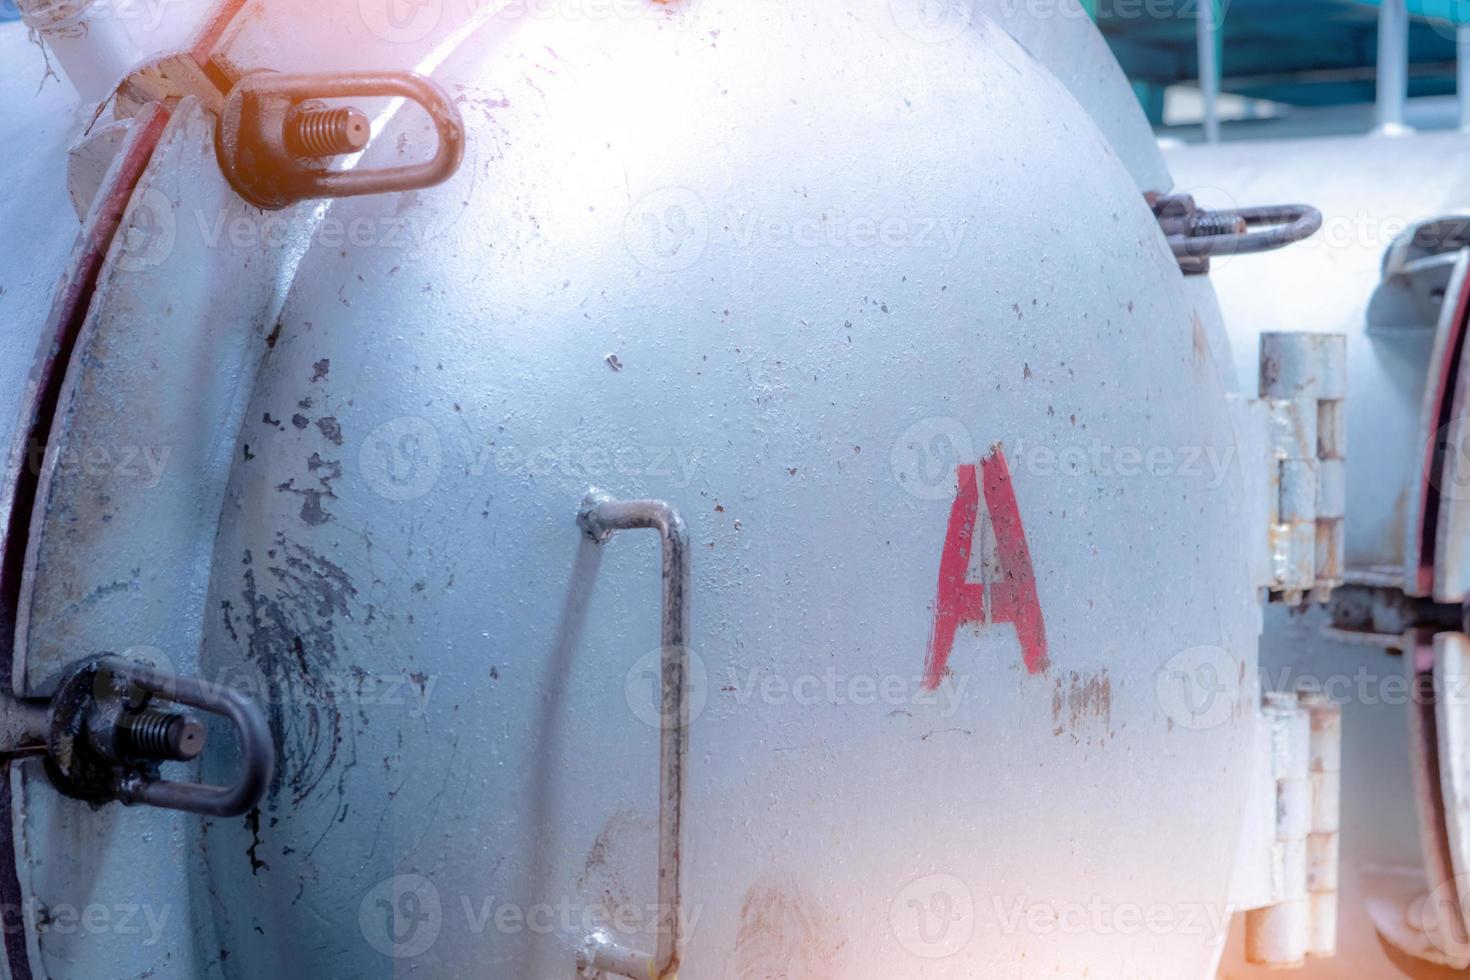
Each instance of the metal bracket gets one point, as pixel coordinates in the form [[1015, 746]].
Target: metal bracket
[[169, 78], [601, 516], [1419, 269], [106, 737], [270, 154], [1384, 616]]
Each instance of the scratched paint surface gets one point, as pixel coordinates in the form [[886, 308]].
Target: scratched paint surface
[[41, 123]]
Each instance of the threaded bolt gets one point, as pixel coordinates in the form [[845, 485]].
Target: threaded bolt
[[162, 735], [1211, 224], [324, 132]]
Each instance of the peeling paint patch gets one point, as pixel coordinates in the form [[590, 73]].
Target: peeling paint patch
[[313, 514], [331, 429]]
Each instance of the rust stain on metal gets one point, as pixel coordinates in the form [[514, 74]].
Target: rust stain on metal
[[786, 933], [611, 851], [1397, 528], [1079, 702], [1201, 342]]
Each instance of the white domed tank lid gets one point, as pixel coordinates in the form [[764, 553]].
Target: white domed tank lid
[[909, 340], [806, 279], [1063, 36]]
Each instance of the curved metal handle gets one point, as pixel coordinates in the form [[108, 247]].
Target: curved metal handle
[[257, 752], [254, 140], [601, 516]]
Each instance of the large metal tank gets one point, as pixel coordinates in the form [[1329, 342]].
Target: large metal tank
[[948, 479], [1388, 271]]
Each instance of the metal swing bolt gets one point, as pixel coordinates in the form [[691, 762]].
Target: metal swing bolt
[[316, 130], [276, 128], [1196, 234]]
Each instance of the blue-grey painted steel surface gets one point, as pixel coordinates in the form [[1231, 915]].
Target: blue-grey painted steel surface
[[785, 269], [1063, 37]]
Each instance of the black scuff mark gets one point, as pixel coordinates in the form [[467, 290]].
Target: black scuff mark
[[293, 608], [112, 588], [339, 813]]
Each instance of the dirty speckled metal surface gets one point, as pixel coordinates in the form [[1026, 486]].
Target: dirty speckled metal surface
[[451, 666], [38, 125], [131, 499]]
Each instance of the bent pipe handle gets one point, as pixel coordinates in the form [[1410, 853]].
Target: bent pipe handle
[[257, 751], [601, 517]]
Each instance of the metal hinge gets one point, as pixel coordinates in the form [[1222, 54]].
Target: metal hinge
[[1286, 879], [1298, 430]]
